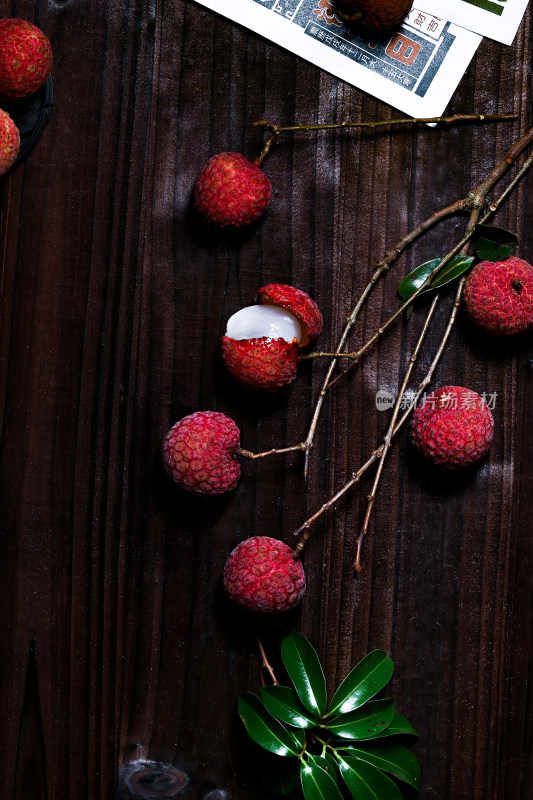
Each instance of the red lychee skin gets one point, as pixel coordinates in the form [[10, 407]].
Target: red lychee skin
[[199, 453], [298, 303], [263, 575], [230, 191], [9, 142], [262, 364], [25, 58], [453, 427], [498, 296]]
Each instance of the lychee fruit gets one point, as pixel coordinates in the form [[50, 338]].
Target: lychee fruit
[[373, 16], [264, 575], [498, 296], [453, 427], [25, 58], [199, 453], [262, 343], [9, 142], [231, 191]]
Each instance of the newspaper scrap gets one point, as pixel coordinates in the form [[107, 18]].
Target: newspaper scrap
[[497, 19], [416, 70]]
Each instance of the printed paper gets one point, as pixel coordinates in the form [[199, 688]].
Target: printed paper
[[416, 70]]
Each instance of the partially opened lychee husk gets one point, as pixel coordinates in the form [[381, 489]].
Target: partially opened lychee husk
[[298, 303]]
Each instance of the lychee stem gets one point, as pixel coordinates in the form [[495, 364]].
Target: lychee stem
[[456, 118], [265, 664], [242, 453]]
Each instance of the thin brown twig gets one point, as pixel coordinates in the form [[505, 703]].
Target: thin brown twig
[[392, 424], [474, 217], [277, 130], [304, 529], [265, 665]]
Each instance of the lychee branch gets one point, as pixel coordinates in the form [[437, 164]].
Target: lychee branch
[[390, 430], [306, 526], [475, 201], [277, 130]]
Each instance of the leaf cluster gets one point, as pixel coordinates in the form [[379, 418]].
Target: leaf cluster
[[348, 746], [490, 244]]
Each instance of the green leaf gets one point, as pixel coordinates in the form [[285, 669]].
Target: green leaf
[[365, 680], [493, 243], [301, 662], [414, 280], [452, 270], [264, 729], [317, 784], [333, 763], [298, 736], [283, 703], [399, 725], [393, 758], [363, 723], [327, 762], [366, 782]]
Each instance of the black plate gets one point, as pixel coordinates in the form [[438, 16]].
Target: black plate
[[30, 116]]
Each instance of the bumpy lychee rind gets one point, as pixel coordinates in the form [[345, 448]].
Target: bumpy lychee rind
[[231, 191], [9, 142], [498, 296], [374, 16], [262, 364], [199, 453], [263, 575], [298, 303], [453, 427], [25, 58]]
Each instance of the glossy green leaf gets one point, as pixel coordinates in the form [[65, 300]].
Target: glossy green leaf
[[328, 763], [493, 243], [365, 680], [399, 725], [415, 279], [363, 723], [298, 735], [264, 729], [389, 757], [283, 703], [317, 784], [453, 269], [301, 662], [366, 782]]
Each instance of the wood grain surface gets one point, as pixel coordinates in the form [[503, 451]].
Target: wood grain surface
[[117, 642]]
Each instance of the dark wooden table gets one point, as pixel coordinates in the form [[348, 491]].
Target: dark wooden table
[[117, 642]]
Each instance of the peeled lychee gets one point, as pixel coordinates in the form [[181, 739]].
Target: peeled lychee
[[199, 453], [231, 191], [261, 347], [25, 58], [498, 296], [9, 142], [373, 16], [264, 575], [453, 427]]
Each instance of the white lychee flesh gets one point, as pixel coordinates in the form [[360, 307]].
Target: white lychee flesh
[[254, 322]]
